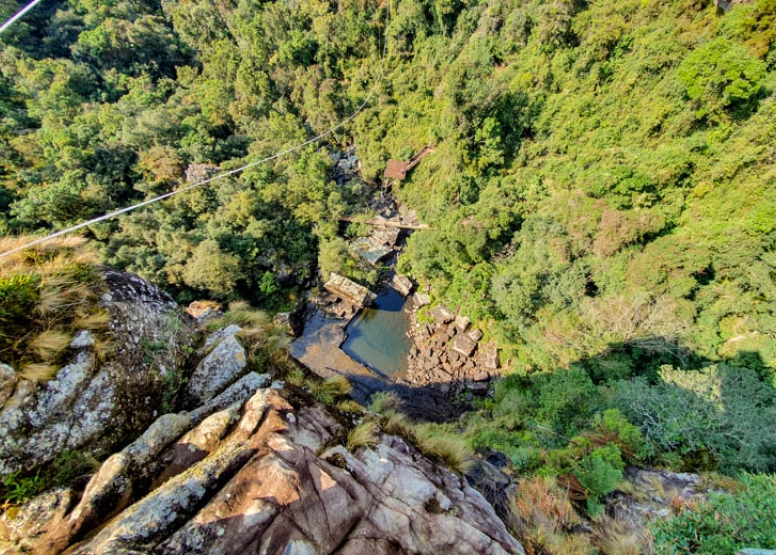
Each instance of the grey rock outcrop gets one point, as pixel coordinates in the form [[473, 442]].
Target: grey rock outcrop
[[247, 479], [90, 406], [222, 366], [83, 340]]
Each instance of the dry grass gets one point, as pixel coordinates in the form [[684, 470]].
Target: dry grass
[[56, 287], [38, 372], [51, 301], [363, 435], [542, 517], [49, 344], [453, 452], [619, 537], [94, 321]]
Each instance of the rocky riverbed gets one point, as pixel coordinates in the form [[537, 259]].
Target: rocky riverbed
[[448, 354]]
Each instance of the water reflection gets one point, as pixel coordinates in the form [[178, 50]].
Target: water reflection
[[377, 336]]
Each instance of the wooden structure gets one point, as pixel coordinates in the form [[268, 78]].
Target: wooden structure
[[396, 169], [384, 223]]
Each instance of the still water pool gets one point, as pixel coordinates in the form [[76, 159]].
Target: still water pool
[[377, 336]]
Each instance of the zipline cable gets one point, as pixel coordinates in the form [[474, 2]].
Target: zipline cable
[[222, 175], [19, 14]]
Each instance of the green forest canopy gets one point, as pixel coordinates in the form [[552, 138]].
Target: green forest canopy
[[602, 195]]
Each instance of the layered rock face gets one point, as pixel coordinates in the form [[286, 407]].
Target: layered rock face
[[251, 468], [247, 479]]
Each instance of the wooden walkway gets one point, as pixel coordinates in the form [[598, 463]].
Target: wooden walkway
[[382, 222]]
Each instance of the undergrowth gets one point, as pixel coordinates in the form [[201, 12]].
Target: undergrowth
[[47, 294]]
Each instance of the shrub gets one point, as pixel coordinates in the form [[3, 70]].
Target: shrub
[[719, 409], [565, 398], [721, 73], [599, 473], [611, 427], [726, 523]]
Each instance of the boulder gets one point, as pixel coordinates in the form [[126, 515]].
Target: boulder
[[462, 323], [225, 363], [368, 250], [464, 345], [421, 299], [349, 290], [93, 406], [480, 376], [385, 237], [248, 479], [475, 335], [488, 357], [82, 340], [442, 314], [402, 284], [204, 312]]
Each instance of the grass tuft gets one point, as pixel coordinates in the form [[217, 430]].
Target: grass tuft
[[38, 372], [242, 314], [384, 401], [337, 386], [618, 537], [94, 321], [350, 406], [452, 452], [295, 377], [397, 424], [50, 343], [363, 435]]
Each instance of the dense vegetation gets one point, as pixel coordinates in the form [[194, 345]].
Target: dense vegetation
[[602, 197]]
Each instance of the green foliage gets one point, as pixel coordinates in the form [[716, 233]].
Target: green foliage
[[600, 471], [614, 428], [719, 409], [721, 73], [16, 490], [726, 523]]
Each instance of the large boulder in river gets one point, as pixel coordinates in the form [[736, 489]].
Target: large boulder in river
[[247, 477]]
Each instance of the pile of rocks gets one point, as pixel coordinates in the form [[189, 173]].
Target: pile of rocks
[[448, 352]]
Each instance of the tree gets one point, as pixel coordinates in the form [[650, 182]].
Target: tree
[[211, 269]]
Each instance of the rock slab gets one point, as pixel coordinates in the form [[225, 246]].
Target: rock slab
[[248, 479]]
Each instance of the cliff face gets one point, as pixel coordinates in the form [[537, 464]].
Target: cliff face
[[253, 468]]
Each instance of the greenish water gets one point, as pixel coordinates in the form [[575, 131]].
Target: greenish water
[[377, 335]]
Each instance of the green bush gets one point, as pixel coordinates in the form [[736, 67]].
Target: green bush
[[600, 471], [721, 73], [726, 523], [719, 409]]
